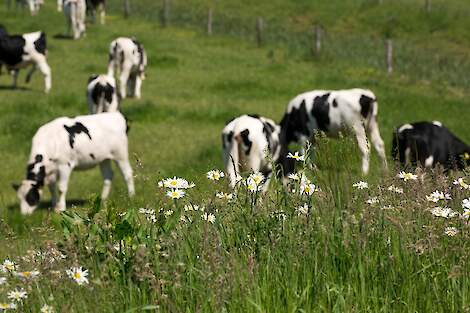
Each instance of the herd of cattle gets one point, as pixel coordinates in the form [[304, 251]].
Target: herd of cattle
[[249, 142]]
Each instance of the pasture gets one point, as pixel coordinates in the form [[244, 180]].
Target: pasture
[[349, 253]]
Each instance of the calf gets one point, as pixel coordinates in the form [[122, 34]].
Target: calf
[[75, 14], [429, 144], [101, 94], [95, 5], [331, 112], [249, 143], [65, 144], [20, 51], [128, 56]]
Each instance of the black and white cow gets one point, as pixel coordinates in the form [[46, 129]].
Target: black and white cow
[[65, 144], [127, 56], [75, 14], [429, 144], [249, 143], [101, 94], [332, 111], [20, 51], [97, 5]]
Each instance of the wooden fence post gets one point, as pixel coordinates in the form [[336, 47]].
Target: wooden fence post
[[317, 32], [389, 56], [209, 22], [127, 8], [165, 13], [427, 5], [259, 30]]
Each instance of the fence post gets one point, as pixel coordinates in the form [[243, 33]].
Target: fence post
[[427, 5], [317, 32], [259, 30], [165, 13], [127, 8], [389, 56], [209, 22]]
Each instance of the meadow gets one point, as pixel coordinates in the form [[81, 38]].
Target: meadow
[[353, 250]]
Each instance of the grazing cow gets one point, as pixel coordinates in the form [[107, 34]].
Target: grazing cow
[[249, 143], [95, 5], [101, 94], [75, 13], [65, 144], [331, 112], [128, 56], [429, 144], [20, 51]]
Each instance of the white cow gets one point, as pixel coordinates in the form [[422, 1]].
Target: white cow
[[250, 143], [34, 6], [75, 13], [332, 111], [101, 94], [21, 51], [65, 144], [128, 56]]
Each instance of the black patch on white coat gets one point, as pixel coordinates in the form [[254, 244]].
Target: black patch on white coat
[[335, 103], [74, 130], [92, 78], [294, 124], [41, 44], [268, 130], [92, 156], [102, 91], [246, 141], [321, 110], [11, 49], [32, 196], [41, 173], [253, 116], [366, 105]]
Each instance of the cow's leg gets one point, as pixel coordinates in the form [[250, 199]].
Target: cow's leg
[[59, 5], [363, 146], [124, 78], [30, 73], [107, 173], [138, 87], [376, 140], [64, 175], [14, 74], [45, 70], [126, 171], [53, 190]]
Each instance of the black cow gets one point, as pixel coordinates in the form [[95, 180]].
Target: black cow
[[429, 144], [20, 51]]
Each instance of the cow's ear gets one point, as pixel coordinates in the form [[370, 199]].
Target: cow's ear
[[92, 77], [15, 186]]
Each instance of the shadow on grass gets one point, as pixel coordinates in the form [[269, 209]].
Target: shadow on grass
[[47, 205], [63, 37], [9, 87]]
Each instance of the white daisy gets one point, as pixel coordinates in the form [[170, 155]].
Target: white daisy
[[175, 194], [168, 213], [460, 182], [215, 175], [436, 196], [78, 275], [307, 188], [208, 217], [451, 231], [47, 309], [17, 295], [466, 203], [372, 201], [302, 210], [361, 185], [294, 176], [443, 212], [296, 156], [407, 176], [7, 306], [8, 266], [3, 280], [27, 275], [392, 188], [225, 196], [257, 178], [176, 183]]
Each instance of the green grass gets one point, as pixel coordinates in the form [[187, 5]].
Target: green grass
[[345, 257]]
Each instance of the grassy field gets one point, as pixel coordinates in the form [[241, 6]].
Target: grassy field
[[260, 255]]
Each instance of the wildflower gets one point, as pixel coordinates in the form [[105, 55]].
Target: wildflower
[[168, 213], [438, 195], [47, 309], [466, 203], [78, 275], [208, 217], [296, 156], [372, 201], [361, 185], [302, 210], [252, 186], [443, 212], [3, 280], [257, 178], [192, 207], [215, 175], [294, 176], [461, 183], [17, 295], [392, 188], [407, 176], [466, 214], [175, 194], [225, 196], [451, 231], [27, 275], [7, 306], [175, 183], [8, 266], [307, 188]]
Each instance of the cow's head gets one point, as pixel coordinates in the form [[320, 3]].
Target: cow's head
[[29, 193]]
